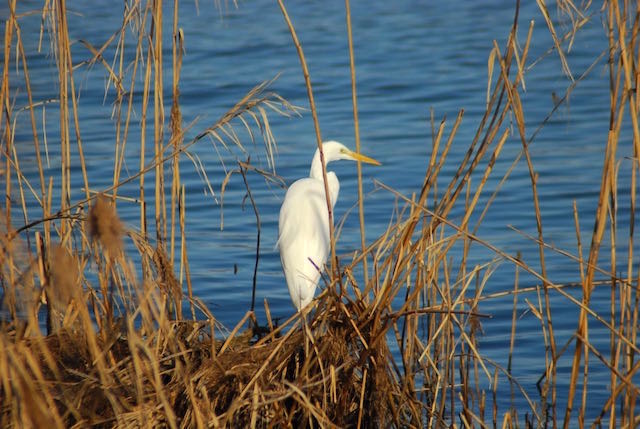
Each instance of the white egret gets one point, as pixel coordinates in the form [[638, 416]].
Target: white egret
[[303, 236]]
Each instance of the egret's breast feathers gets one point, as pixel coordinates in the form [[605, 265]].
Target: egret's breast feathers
[[303, 215], [304, 230]]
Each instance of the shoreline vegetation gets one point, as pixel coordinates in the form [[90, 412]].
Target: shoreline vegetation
[[123, 351]]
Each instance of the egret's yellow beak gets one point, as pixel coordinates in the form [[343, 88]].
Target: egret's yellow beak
[[362, 158]]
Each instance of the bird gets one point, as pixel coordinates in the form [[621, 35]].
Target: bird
[[303, 224]]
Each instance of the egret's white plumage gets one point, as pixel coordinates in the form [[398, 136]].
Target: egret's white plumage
[[303, 237]]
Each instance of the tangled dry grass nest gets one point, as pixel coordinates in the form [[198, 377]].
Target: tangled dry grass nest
[[324, 373]]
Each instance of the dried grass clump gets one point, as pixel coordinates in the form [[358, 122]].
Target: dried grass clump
[[321, 374]]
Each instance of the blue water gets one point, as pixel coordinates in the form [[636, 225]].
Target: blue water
[[412, 57]]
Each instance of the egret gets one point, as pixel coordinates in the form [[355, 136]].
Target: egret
[[303, 227]]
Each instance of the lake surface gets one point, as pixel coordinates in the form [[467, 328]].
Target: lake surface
[[411, 57]]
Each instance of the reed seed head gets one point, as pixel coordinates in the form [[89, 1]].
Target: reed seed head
[[64, 277], [167, 279], [105, 225]]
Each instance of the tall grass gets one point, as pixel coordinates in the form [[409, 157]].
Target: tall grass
[[399, 347]]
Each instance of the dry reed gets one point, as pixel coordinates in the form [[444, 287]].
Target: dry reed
[[401, 349]]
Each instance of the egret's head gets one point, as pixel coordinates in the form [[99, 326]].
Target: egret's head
[[334, 151]]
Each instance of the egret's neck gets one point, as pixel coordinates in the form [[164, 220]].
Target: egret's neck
[[332, 180], [316, 166]]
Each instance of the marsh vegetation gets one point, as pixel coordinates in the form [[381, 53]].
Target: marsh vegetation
[[101, 326]]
